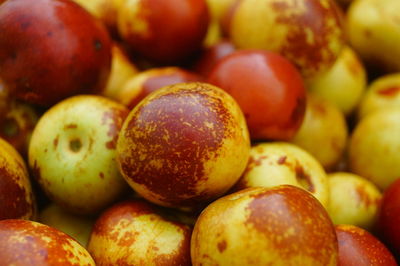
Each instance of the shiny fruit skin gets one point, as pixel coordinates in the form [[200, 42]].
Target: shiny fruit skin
[[359, 247], [31, 243], [283, 225], [268, 88], [51, 49], [184, 145]]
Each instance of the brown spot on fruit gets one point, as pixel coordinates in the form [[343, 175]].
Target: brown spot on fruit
[[389, 92], [55, 142], [282, 160], [304, 178], [101, 175], [364, 198], [222, 246], [70, 126]]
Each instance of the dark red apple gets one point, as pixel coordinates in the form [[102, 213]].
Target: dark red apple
[[359, 247], [51, 49], [268, 88]]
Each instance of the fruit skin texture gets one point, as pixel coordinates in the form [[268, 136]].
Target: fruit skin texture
[[307, 32], [358, 247], [31, 243], [389, 218], [283, 225], [163, 31], [16, 196], [51, 49], [72, 153], [184, 145], [268, 88], [374, 147], [135, 232]]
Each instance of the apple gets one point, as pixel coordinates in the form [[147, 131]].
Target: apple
[[276, 163], [72, 153], [382, 92], [354, 200], [139, 86], [373, 31], [283, 225], [16, 195], [184, 145], [324, 125], [374, 147], [135, 232], [268, 88], [51, 49], [307, 32], [25, 242], [389, 218], [358, 247], [344, 83], [122, 69], [78, 227], [163, 31]]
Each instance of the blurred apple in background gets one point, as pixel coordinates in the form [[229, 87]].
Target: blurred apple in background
[[277, 163], [138, 87], [184, 145], [283, 225], [16, 197], [383, 92], [72, 153], [78, 227], [344, 83], [51, 49], [268, 88], [358, 247], [135, 232], [374, 32], [323, 132], [308, 32], [353, 200], [374, 147], [31, 243], [163, 31]]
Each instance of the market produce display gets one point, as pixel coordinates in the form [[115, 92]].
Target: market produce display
[[200, 132]]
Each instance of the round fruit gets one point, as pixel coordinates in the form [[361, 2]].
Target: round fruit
[[184, 145]]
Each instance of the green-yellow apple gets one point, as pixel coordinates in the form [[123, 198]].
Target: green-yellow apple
[[277, 163], [25, 242], [16, 196], [78, 227], [135, 232], [184, 145], [344, 83], [307, 32], [324, 125], [72, 153], [374, 147], [383, 92], [353, 200], [284, 225]]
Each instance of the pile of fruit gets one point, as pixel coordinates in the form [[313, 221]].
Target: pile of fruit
[[199, 132]]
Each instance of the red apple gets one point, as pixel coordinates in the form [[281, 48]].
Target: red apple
[[268, 88], [30, 243], [359, 247], [51, 49]]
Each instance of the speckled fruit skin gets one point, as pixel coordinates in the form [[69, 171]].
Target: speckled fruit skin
[[72, 153], [16, 196], [283, 225], [277, 163], [184, 145], [138, 87], [353, 200], [163, 31], [31, 243], [373, 149], [268, 88], [51, 49], [307, 32], [359, 247], [135, 232]]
